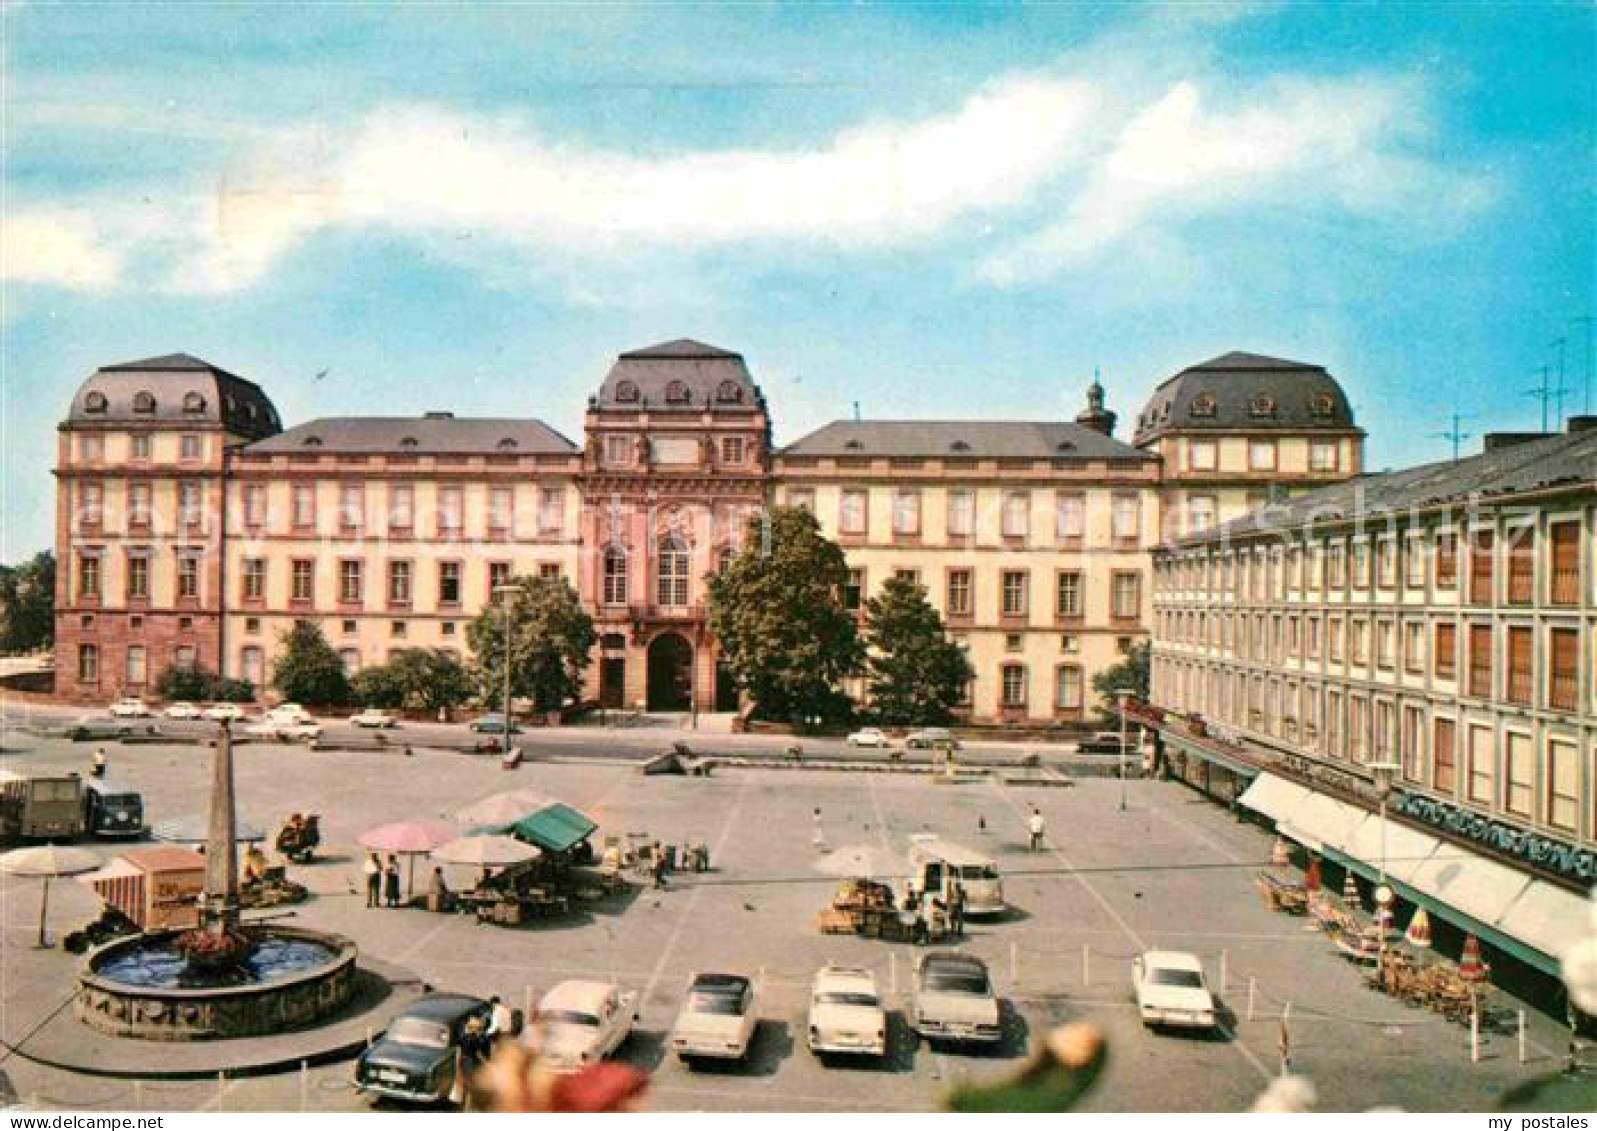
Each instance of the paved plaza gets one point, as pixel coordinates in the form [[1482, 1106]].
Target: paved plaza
[[1171, 870]]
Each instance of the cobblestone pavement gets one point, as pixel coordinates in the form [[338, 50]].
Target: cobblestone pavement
[[1172, 870]]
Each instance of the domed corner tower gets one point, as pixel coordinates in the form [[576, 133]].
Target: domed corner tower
[[677, 456], [139, 505], [1096, 416], [1239, 430]]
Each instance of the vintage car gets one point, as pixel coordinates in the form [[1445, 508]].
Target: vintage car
[[492, 723], [718, 1019], [280, 728], [373, 718], [1171, 990], [954, 999], [931, 738], [846, 1014], [579, 1023], [415, 1058], [181, 711], [224, 712], [290, 712], [1107, 742], [939, 866], [131, 708], [869, 736]]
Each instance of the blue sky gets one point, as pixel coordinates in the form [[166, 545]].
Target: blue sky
[[936, 211]]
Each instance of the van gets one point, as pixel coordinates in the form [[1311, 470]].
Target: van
[[937, 865]]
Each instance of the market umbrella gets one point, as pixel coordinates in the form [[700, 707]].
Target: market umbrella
[[408, 838], [485, 851], [860, 862], [195, 828], [1418, 934], [46, 862], [1311, 878], [1280, 853], [502, 809], [1470, 966]]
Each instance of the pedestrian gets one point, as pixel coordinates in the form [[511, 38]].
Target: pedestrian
[[657, 865], [500, 1019], [374, 879], [819, 839], [956, 910], [1038, 827], [391, 881], [98, 769], [475, 1049], [438, 893]]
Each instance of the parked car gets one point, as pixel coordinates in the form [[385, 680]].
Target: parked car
[[846, 1014], [718, 1019], [290, 712], [220, 712], [415, 1057], [954, 999], [372, 717], [88, 728], [131, 708], [182, 711], [1106, 742], [931, 738], [1171, 990], [283, 730], [493, 723], [869, 736], [579, 1023]]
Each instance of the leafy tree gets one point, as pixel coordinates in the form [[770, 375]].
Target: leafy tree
[[27, 604], [916, 673], [308, 670], [551, 637], [419, 679], [194, 684], [777, 610], [1130, 674]]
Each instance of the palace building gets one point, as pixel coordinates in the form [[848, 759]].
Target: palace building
[[192, 528], [1428, 636]]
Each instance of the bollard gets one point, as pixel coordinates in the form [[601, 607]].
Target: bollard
[[526, 1004], [368, 1036], [892, 974], [1014, 964], [138, 1095], [1253, 986], [221, 1088], [1522, 1036], [1474, 1029], [1223, 978], [304, 1085], [1086, 963]]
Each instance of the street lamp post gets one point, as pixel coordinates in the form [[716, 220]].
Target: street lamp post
[[1384, 773], [1124, 695], [503, 592]]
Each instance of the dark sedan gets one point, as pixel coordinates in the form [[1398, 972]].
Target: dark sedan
[[492, 724], [415, 1058]]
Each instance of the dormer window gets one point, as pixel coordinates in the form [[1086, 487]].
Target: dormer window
[[408, 443], [313, 441], [728, 392], [508, 444], [1064, 446], [854, 446], [193, 402], [144, 402], [677, 393], [1322, 405], [1203, 405], [95, 403], [626, 392], [1263, 406], [250, 410], [959, 446]]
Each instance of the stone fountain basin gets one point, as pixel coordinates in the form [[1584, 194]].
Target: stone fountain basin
[[294, 1000]]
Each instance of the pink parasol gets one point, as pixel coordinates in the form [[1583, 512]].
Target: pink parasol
[[408, 838]]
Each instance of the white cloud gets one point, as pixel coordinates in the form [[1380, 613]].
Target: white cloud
[[58, 247]]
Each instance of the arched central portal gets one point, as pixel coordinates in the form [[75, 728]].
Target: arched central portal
[[670, 673]]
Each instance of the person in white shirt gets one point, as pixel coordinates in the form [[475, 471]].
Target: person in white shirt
[[500, 1019], [1038, 827], [374, 880]]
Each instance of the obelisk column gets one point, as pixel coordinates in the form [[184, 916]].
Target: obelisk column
[[221, 847]]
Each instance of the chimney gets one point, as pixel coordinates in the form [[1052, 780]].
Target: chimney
[[1497, 441], [438, 416], [1582, 424]]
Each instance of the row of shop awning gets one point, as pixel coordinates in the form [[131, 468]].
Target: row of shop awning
[[1531, 918]]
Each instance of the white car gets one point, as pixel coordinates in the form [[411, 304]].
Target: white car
[[132, 708], [290, 712], [846, 1014], [1171, 990], [869, 736], [718, 1020], [954, 999], [580, 1023], [283, 730], [182, 711], [224, 712], [372, 717]]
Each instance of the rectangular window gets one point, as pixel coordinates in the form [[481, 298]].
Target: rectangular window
[[1563, 785], [1014, 685], [89, 577], [188, 576], [1480, 660], [1323, 455], [550, 571], [1520, 665], [1445, 665], [1446, 559], [1125, 595], [1202, 455], [1563, 669], [138, 577], [189, 503], [1386, 563], [254, 579], [401, 507], [302, 581], [1444, 756], [732, 450], [191, 447], [350, 588], [91, 504], [1017, 514], [1356, 632], [138, 504], [449, 583], [1261, 455], [135, 664], [1414, 647], [854, 590], [1333, 629], [352, 506], [255, 504], [1070, 517], [1481, 547], [960, 603], [1336, 566], [501, 506], [1519, 774], [1201, 511], [551, 510], [88, 663], [1413, 757], [1414, 561], [1478, 782], [1361, 565], [139, 447], [450, 511], [1067, 599], [618, 450], [499, 574], [906, 512], [1014, 593], [1564, 539], [1385, 645], [91, 449], [801, 497], [961, 514], [1068, 692], [399, 583], [1126, 518], [1521, 565], [304, 506], [853, 512]]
